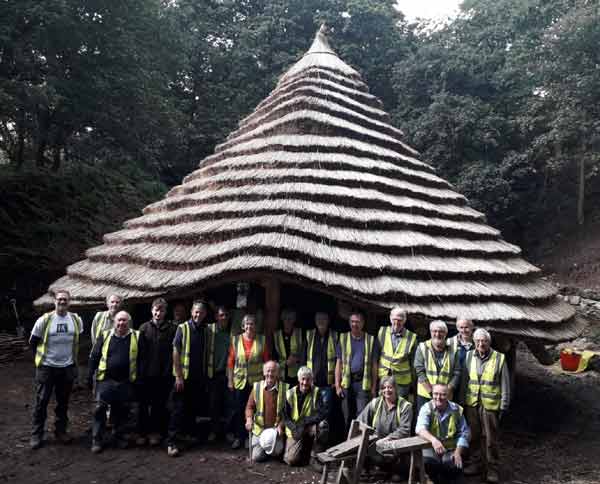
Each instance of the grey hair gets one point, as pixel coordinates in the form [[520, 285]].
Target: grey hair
[[114, 295], [271, 362], [482, 333], [304, 372], [388, 380], [196, 304], [398, 309], [466, 320], [125, 312], [436, 323]]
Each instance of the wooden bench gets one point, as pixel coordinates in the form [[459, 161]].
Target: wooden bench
[[415, 446], [360, 437]]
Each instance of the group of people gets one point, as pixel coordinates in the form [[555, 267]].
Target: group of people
[[179, 375]]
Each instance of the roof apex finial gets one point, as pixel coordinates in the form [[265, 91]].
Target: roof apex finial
[[321, 44]]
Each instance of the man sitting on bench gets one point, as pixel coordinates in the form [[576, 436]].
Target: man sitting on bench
[[442, 423]]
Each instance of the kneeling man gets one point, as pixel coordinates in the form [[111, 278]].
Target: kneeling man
[[264, 414], [305, 421]]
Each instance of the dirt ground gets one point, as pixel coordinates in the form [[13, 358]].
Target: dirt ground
[[551, 435]]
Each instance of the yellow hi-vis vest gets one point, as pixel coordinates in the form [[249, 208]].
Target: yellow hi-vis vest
[[397, 363], [401, 406], [42, 347], [247, 371], [295, 348], [259, 415], [310, 339], [133, 353], [486, 389], [308, 407], [449, 439], [346, 347], [99, 324], [184, 355], [431, 370]]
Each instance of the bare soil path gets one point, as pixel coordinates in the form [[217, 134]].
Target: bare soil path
[[551, 435]]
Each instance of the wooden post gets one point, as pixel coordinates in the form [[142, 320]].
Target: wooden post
[[272, 307]]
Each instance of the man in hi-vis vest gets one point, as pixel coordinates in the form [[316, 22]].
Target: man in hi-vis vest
[[435, 362], [104, 320], [442, 423], [114, 360], [305, 418], [487, 396], [396, 348], [288, 343], [55, 343], [264, 411], [218, 340], [321, 344], [355, 370], [188, 398]]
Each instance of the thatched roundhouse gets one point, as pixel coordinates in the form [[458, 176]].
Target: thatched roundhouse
[[317, 189]]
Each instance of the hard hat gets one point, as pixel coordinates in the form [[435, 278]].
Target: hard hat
[[267, 440]]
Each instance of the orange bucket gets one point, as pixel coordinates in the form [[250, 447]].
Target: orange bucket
[[569, 360]]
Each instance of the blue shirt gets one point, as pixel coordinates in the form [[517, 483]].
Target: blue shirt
[[357, 353], [424, 422]]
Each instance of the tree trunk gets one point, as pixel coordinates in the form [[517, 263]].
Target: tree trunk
[[581, 191], [56, 158]]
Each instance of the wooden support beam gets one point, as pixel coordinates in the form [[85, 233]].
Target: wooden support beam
[[272, 307]]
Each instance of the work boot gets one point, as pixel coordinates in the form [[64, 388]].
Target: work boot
[[236, 444], [35, 442], [141, 440], [472, 470], [492, 476], [96, 446], [63, 437]]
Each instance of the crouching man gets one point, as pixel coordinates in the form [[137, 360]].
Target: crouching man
[[114, 360], [264, 414], [305, 421], [442, 423]]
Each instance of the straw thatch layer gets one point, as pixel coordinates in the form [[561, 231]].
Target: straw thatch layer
[[316, 188], [386, 241]]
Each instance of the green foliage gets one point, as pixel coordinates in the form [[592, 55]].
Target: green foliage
[[502, 101], [48, 220]]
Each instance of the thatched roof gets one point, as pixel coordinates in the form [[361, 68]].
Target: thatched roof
[[317, 188]]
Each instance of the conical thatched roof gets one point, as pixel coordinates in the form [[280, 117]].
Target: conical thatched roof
[[317, 187]]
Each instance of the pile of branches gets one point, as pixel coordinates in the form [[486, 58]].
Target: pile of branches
[[11, 348]]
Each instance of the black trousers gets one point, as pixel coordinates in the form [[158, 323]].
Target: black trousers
[[238, 421], [441, 469], [355, 399], [185, 407], [50, 380], [119, 396], [220, 403], [154, 397]]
